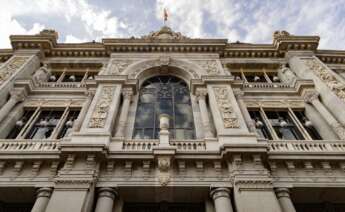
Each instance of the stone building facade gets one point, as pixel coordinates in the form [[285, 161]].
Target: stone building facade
[[169, 123]]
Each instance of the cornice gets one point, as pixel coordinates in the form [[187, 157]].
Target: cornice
[[282, 42]]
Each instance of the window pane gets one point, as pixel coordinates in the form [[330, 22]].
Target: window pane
[[145, 116], [168, 95], [183, 116]]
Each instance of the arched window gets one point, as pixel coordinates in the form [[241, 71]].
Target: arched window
[[169, 95]]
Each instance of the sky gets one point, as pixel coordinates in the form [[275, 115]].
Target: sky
[[250, 21]]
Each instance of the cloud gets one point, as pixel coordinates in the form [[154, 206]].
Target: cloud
[[72, 39], [247, 21]]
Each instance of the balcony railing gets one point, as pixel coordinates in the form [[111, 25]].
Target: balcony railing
[[316, 146], [265, 85], [26, 145], [147, 145], [61, 85]]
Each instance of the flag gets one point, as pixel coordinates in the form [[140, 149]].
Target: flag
[[165, 14]]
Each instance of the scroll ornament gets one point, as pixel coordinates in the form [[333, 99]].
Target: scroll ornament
[[327, 77], [8, 70], [229, 116], [210, 66], [100, 113]]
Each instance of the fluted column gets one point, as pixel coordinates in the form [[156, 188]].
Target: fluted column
[[83, 112], [283, 195], [244, 111], [42, 199], [127, 97], [221, 198], [105, 200], [201, 95], [312, 97], [16, 96]]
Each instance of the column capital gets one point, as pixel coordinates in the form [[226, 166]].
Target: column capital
[[282, 192], [310, 96], [90, 93], [220, 192], [18, 95], [107, 192], [127, 93], [239, 93], [44, 192], [201, 93]]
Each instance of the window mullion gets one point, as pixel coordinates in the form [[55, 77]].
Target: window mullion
[[266, 76], [60, 123], [269, 125], [299, 125], [31, 122]]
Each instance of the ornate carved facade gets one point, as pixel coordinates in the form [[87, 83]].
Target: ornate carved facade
[[170, 123]]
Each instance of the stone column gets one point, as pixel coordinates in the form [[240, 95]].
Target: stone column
[[105, 200], [283, 195], [245, 113], [312, 97], [16, 96], [127, 96], [42, 199], [83, 111], [320, 123], [285, 74], [201, 95], [221, 198]]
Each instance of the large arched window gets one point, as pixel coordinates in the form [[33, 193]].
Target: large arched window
[[169, 95]]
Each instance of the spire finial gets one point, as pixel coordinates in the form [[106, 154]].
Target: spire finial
[[165, 16]]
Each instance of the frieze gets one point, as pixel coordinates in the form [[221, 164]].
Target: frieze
[[223, 101], [8, 70], [327, 77], [210, 66], [275, 104], [53, 103], [100, 113]]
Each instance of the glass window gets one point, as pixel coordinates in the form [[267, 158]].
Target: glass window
[[308, 125], [20, 124], [169, 95], [261, 128], [45, 124], [68, 125], [283, 125], [73, 78]]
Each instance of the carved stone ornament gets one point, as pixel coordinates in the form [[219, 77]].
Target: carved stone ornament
[[164, 33], [100, 113], [118, 66], [163, 167], [283, 33], [327, 77], [223, 101], [8, 70], [210, 66]]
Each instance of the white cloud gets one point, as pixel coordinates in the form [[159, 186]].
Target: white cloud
[[96, 22], [72, 39]]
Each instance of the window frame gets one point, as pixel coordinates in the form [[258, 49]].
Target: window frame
[[136, 102]]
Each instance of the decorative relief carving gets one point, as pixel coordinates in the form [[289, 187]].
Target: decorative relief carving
[[223, 101], [276, 104], [53, 103], [163, 61], [118, 66], [100, 113], [11, 67], [164, 167], [327, 77], [165, 33], [210, 66]]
